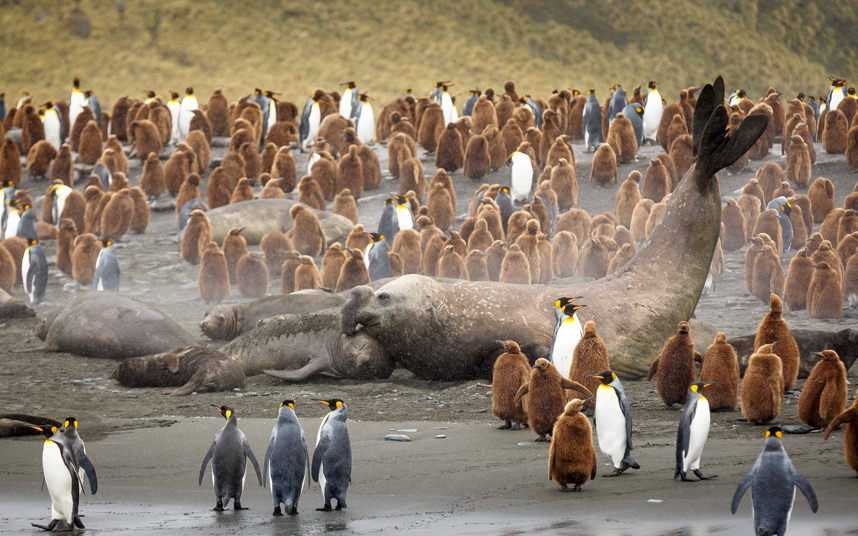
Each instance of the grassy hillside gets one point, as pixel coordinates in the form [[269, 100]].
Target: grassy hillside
[[390, 45]]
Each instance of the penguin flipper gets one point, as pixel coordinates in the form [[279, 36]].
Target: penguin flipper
[[318, 454], [745, 484], [89, 469], [802, 484], [683, 436], [523, 390], [653, 369], [248, 452], [566, 383], [72, 466], [306, 457], [207, 458], [848, 416], [267, 459]]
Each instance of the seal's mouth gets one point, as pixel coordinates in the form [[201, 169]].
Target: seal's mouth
[[354, 311]]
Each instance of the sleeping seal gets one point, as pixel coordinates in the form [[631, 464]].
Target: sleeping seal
[[192, 369]]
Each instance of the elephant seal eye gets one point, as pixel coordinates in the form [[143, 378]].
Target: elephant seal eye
[[384, 296]]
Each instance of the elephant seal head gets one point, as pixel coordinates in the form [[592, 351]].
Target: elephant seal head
[[359, 356], [360, 309], [220, 323], [383, 313]]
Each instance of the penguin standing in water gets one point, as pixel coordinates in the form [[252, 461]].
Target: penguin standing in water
[[186, 112], [773, 479], [332, 458], [229, 453], [534, 106], [75, 443], [53, 125], [592, 122], [349, 102], [286, 463], [403, 212], [521, 176], [634, 113], [77, 100], [310, 119], [473, 97], [784, 209], [617, 104], [174, 105], [568, 331], [377, 259], [106, 276], [364, 120], [61, 476], [614, 422], [653, 109], [34, 265], [692, 434], [94, 105], [388, 224]]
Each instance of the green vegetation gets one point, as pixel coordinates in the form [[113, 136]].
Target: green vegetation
[[390, 45]]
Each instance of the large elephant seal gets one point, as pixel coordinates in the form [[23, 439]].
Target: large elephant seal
[[810, 341], [227, 321], [12, 308], [192, 369], [261, 216], [295, 347], [110, 325], [446, 331]]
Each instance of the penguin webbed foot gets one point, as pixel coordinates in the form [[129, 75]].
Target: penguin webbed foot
[[505, 426], [49, 526], [517, 426], [219, 506], [293, 511], [326, 508], [78, 523], [277, 511], [565, 489], [542, 439], [686, 479], [617, 472], [701, 476], [236, 505]]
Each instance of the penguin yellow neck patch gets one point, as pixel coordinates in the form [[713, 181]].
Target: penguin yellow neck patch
[[228, 413]]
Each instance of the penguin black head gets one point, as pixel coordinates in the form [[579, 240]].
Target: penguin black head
[[376, 237], [333, 404], [6, 183], [742, 94], [651, 84], [851, 91], [639, 110], [105, 242], [150, 94], [48, 104], [225, 411], [505, 190], [46, 431], [811, 98], [270, 94], [614, 87], [390, 201], [76, 82], [351, 84], [401, 199], [174, 95], [775, 431], [575, 92], [570, 309], [837, 82], [257, 91], [606, 376], [823, 100], [290, 403], [189, 91], [786, 209], [363, 97], [475, 92], [591, 92], [563, 302], [70, 421], [698, 387]]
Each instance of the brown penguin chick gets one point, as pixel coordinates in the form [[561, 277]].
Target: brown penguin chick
[[572, 457], [350, 173], [654, 216], [65, 245], [798, 162], [769, 178], [10, 162], [197, 234], [358, 238], [427, 228], [252, 162], [354, 271], [62, 168], [671, 170], [458, 243], [675, 367], [848, 224], [202, 150], [604, 169], [847, 247], [826, 253], [218, 113], [533, 136], [218, 189], [407, 246], [39, 158], [623, 256], [537, 210], [564, 254], [190, 190], [511, 371], [213, 281], [850, 281], [751, 208], [806, 213], [564, 182], [451, 265], [431, 126], [527, 149], [152, 181], [287, 270], [450, 154], [560, 148], [529, 245], [497, 149], [480, 239], [147, 139], [768, 223], [773, 329], [621, 138], [784, 190], [370, 167], [484, 114], [116, 216], [399, 149], [284, 168], [627, 198], [799, 230], [505, 109], [32, 129], [17, 246], [201, 122], [831, 225], [733, 220], [93, 195], [243, 192], [850, 419], [494, 260], [345, 205], [824, 395], [762, 389], [798, 280], [589, 357], [9, 268], [477, 160], [440, 206], [310, 193], [852, 147], [477, 266], [753, 188], [682, 154], [546, 396], [118, 182], [140, 212], [411, 178], [307, 275], [114, 157], [623, 236], [177, 168], [517, 225], [512, 136], [768, 276], [271, 189], [324, 172], [89, 150], [825, 295], [656, 181], [577, 222], [593, 259], [676, 128], [721, 370], [550, 132], [332, 264], [83, 118], [821, 194], [234, 248], [307, 235], [515, 269], [251, 276], [834, 135], [274, 246], [84, 257], [432, 254]]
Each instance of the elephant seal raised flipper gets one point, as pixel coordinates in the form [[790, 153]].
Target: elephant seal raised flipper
[[192, 369], [445, 331]]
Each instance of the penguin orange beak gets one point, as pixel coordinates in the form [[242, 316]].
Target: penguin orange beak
[[596, 376], [36, 428], [216, 406]]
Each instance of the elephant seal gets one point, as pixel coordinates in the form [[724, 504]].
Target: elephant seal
[[18, 424], [295, 347], [445, 331], [110, 325], [227, 321], [844, 342], [192, 369], [262, 216], [12, 308]]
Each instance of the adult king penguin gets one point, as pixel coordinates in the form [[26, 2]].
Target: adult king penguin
[[534, 106], [377, 259], [286, 463], [836, 93], [446, 103], [7, 206], [617, 104], [34, 265], [773, 479], [77, 100], [186, 112], [365, 120], [692, 434], [653, 109], [11, 218], [174, 105], [521, 176], [332, 458], [94, 105], [403, 212], [270, 115], [59, 193], [592, 122], [75, 443], [784, 209], [388, 224], [61, 476], [473, 97], [634, 113], [229, 453], [613, 421], [568, 331], [106, 276], [53, 125], [349, 102], [310, 119]]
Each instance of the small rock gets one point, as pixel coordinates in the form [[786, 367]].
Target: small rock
[[440, 428], [478, 411], [796, 429], [527, 444], [397, 437], [742, 419], [408, 430], [488, 393], [440, 436], [655, 501]]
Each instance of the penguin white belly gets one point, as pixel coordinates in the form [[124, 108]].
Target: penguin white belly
[[59, 482], [52, 129], [186, 113], [99, 284], [447, 107], [312, 160], [698, 434], [322, 479], [61, 204], [367, 259], [272, 116], [12, 224], [610, 425], [563, 348], [346, 104], [366, 124], [521, 179], [406, 220], [836, 97], [454, 114], [789, 514], [76, 104], [315, 118], [652, 115], [174, 108], [25, 270]]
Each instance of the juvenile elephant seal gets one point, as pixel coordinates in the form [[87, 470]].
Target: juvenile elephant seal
[[227, 321], [12, 308], [295, 347], [18, 424], [844, 342], [192, 369], [110, 325]]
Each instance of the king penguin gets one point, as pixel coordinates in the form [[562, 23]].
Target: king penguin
[[34, 265], [592, 122], [614, 422], [94, 105], [617, 104], [773, 479], [504, 203], [567, 332], [101, 171], [403, 212], [473, 97], [59, 193], [229, 452], [174, 105], [365, 120], [692, 434], [446, 103], [784, 209], [534, 106], [653, 109], [388, 224], [349, 102], [11, 218], [634, 113], [286, 463], [310, 119], [78, 448], [521, 176], [836, 92], [61, 476], [436, 92], [53, 125], [150, 96], [77, 100], [186, 112], [270, 115], [737, 96], [377, 260], [106, 275], [332, 458], [7, 206]]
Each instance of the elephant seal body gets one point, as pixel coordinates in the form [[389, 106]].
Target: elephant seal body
[[112, 326], [295, 347], [18, 424], [226, 322], [12, 308], [844, 342], [192, 369]]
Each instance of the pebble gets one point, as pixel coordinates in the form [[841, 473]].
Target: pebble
[[794, 429], [440, 428], [488, 393], [408, 430], [742, 419], [527, 444], [655, 501], [440, 436], [478, 411], [397, 437]]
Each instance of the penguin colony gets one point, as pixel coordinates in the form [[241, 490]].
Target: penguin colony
[[547, 236]]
